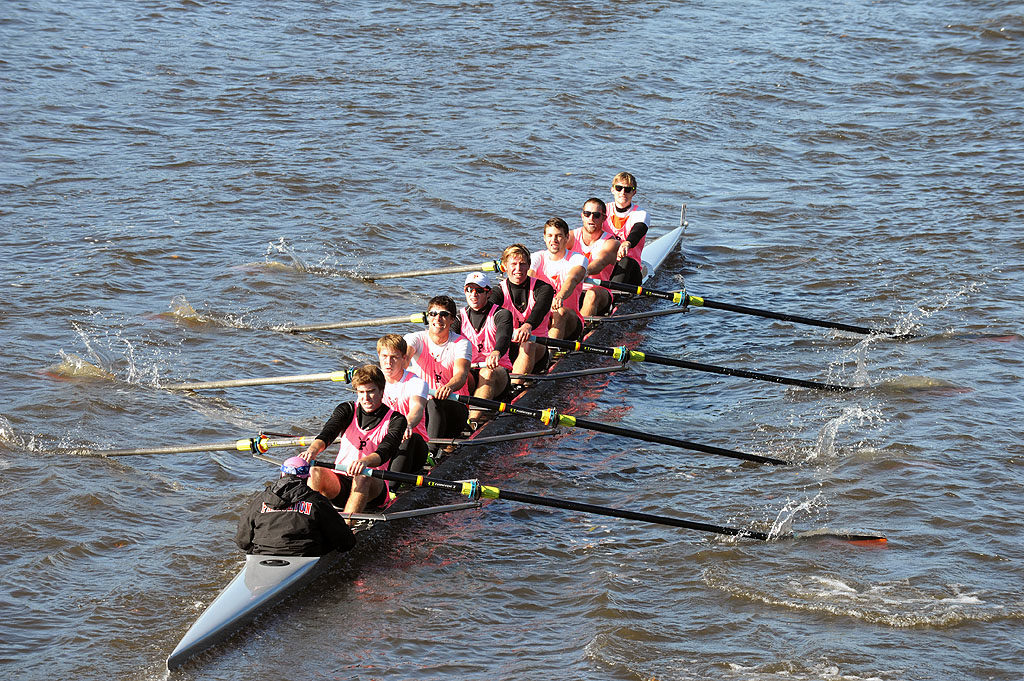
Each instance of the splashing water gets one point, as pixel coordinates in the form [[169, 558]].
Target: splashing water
[[75, 366], [825, 447], [181, 308], [932, 305], [282, 247], [783, 523]]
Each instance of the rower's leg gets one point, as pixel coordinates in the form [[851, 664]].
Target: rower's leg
[[445, 419], [628, 271], [363, 490], [530, 354], [560, 322], [412, 455], [325, 481], [492, 382], [596, 302]]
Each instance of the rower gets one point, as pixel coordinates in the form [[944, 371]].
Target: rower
[[371, 433], [441, 357], [290, 519], [488, 328], [528, 299], [564, 270], [629, 224], [601, 248], [407, 394]]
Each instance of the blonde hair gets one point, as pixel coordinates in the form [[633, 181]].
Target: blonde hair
[[624, 178], [515, 249], [392, 341]]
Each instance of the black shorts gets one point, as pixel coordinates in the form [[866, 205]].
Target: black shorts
[[379, 501]]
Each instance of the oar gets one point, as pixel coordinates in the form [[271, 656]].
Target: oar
[[682, 298], [254, 444], [343, 376], [551, 416], [474, 490], [624, 354], [381, 321], [489, 266]]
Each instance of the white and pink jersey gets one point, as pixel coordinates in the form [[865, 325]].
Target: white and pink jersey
[[619, 225], [484, 340], [435, 363], [519, 317], [357, 443], [587, 250], [399, 396], [555, 272]]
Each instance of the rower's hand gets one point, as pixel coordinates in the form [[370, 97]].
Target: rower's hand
[[310, 454], [356, 468], [443, 392], [623, 250], [523, 333], [492, 359], [407, 435], [556, 303]]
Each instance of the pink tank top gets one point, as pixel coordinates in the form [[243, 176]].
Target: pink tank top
[[555, 272], [357, 443], [399, 395], [633, 216], [483, 341], [519, 317], [436, 363], [606, 273]]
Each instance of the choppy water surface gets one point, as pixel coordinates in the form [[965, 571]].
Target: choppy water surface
[[178, 178]]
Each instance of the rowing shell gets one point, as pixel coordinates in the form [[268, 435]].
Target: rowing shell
[[265, 580]]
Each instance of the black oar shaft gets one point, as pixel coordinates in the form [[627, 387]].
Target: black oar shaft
[[474, 490], [697, 301], [626, 354], [550, 416], [680, 298]]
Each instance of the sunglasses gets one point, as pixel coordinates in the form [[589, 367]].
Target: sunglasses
[[620, 188], [439, 313], [593, 214], [476, 289]]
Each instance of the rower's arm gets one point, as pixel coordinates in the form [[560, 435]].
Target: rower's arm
[[636, 232], [604, 257], [340, 418], [503, 331], [576, 275], [542, 295], [415, 415], [460, 375]]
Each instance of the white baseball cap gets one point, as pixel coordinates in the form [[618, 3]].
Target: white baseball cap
[[478, 278]]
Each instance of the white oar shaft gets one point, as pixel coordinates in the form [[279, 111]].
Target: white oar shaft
[[338, 376], [490, 266], [383, 321], [235, 446]]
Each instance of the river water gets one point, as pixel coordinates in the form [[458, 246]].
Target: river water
[[176, 177]]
